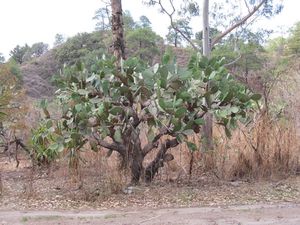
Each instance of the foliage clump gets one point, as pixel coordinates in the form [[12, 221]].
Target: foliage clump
[[9, 86], [109, 108]]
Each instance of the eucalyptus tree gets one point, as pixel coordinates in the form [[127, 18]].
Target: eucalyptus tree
[[118, 31], [144, 22]]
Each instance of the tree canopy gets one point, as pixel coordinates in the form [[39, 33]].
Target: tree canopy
[[143, 43], [294, 40], [2, 58], [164, 99]]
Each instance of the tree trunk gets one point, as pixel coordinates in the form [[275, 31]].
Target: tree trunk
[[136, 166], [161, 157], [137, 157], [205, 33], [207, 132], [118, 32], [153, 167]]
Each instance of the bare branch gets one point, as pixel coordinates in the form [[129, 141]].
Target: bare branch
[[159, 160], [154, 143], [82, 144], [170, 15], [135, 118], [245, 1], [239, 23], [200, 115], [172, 143], [111, 146], [234, 61]]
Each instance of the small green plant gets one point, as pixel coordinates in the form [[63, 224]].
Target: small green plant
[[46, 143], [24, 219]]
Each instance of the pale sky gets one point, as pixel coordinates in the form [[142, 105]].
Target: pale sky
[[31, 21]]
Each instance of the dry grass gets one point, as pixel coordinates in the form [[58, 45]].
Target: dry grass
[[267, 149], [1, 184], [262, 150], [101, 176]]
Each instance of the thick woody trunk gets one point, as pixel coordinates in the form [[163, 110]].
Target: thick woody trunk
[[161, 157], [207, 133], [118, 32], [136, 166], [137, 157]]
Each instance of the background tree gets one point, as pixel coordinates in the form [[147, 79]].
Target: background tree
[[19, 52], [213, 32], [144, 22], [143, 43], [59, 39], [277, 45], [102, 17], [38, 49], [25, 53], [5, 92], [207, 132], [174, 37], [75, 49], [103, 20], [129, 23], [9, 90], [294, 40], [2, 58]]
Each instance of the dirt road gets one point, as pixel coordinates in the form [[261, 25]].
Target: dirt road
[[253, 214]]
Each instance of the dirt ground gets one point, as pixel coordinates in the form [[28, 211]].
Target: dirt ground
[[51, 197], [251, 214]]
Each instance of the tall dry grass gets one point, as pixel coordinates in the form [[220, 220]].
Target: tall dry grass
[[267, 149]]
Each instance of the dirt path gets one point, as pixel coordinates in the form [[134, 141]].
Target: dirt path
[[253, 214]]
